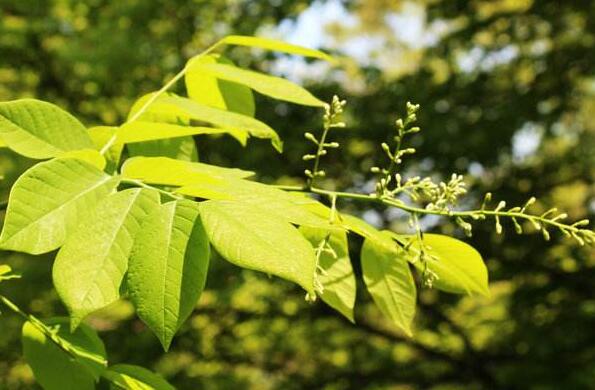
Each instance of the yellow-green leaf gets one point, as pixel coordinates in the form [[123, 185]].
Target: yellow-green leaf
[[179, 106], [40, 130], [253, 238], [458, 266], [91, 156], [390, 283], [208, 90], [272, 86], [336, 275], [90, 266], [48, 202], [275, 45], [171, 172]]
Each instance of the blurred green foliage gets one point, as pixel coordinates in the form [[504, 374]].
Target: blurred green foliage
[[536, 331]]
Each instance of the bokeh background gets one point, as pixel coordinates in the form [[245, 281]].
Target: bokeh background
[[507, 90]]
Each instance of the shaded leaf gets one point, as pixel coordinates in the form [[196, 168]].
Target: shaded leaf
[[168, 267], [129, 377], [56, 369]]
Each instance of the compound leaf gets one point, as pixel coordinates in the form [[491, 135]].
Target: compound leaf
[[168, 267], [90, 266]]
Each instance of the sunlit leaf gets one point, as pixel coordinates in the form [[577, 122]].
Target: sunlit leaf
[[272, 86], [208, 90], [458, 266], [90, 156], [388, 278], [38, 129], [275, 45], [90, 267], [179, 106], [101, 136], [139, 131], [181, 148], [280, 203], [251, 237], [336, 273], [49, 200]]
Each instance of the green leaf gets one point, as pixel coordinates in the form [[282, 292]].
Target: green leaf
[[90, 267], [40, 130], [139, 131], [168, 267], [251, 237], [90, 156], [282, 204], [167, 171], [388, 278], [272, 86], [208, 90], [129, 377], [336, 276], [274, 45], [49, 200], [183, 107], [181, 148], [56, 369], [459, 267]]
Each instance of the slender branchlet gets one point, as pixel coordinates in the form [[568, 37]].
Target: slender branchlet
[[396, 154], [51, 332], [322, 248], [332, 119], [428, 276]]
